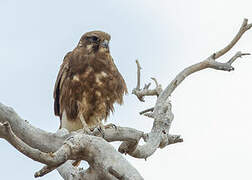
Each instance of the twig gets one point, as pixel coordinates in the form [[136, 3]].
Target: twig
[[237, 55], [141, 93], [150, 115], [244, 27], [138, 75], [146, 110], [45, 170]]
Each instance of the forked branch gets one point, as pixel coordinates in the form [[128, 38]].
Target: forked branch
[[209, 62], [162, 113], [244, 27], [141, 93]]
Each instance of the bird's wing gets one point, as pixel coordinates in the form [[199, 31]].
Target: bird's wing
[[58, 84], [123, 89]]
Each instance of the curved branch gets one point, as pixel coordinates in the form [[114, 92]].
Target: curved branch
[[209, 62], [244, 27], [162, 111], [75, 146], [158, 137], [96, 151], [34, 137], [46, 158]]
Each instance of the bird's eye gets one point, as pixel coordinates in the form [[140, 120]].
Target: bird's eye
[[92, 39]]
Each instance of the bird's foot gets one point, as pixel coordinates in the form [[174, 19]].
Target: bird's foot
[[85, 128], [110, 125], [99, 129]]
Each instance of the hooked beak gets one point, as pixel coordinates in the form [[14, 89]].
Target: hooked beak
[[105, 44]]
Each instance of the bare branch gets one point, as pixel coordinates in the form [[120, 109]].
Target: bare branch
[[244, 27], [45, 170], [158, 86], [137, 89], [209, 62], [96, 151], [146, 86], [140, 93], [162, 111], [161, 125], [138, 75], [237, 55], [46, 158], [34, 137]]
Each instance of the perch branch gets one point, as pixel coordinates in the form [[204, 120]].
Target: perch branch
[[45, 153], [97, 152]]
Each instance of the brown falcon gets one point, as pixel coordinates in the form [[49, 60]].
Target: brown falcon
[[88, 84]]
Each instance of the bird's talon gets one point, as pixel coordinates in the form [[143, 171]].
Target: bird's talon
[[101, 131], [111, 125]]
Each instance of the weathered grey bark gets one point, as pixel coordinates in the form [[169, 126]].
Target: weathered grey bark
[[105, 162], [100, 155]]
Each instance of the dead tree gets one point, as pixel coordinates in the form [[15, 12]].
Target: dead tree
[[104, 161]]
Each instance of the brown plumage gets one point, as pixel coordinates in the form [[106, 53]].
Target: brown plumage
[[88, 84]]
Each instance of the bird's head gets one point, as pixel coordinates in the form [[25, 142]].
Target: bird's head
[[95, 41]]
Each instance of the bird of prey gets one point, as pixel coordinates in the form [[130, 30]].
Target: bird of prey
[[88, 84]]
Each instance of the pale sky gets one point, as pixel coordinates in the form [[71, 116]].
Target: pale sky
[[211, 108]]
